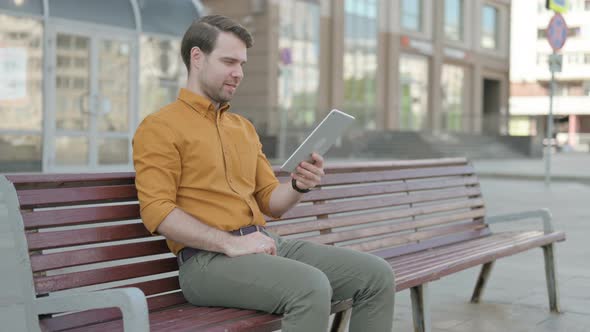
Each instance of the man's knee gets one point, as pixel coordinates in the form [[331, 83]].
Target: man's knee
[[313, 290], [317, 286], [381, 274]]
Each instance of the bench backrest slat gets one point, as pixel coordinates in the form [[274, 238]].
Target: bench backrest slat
[[359, 219], [57, 239], [97, 255], [104, 275], [79, 216]]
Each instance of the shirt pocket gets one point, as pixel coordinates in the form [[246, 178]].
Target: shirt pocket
[[247, 160]]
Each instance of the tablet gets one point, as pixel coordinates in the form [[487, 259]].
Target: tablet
[[320, 140]]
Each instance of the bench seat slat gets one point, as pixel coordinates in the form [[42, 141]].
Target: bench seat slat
[[209, 320], [265, 322], [57, 239], [334, 222], [428, 255], [89, 317], [46, 284], [428, 244], [438, 256], [79, 216], [97, 255], [457, 264]]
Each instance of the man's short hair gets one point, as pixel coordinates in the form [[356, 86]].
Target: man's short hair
[[203, 34]]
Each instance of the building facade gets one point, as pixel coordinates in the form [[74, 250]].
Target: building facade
[[78, 76], [401, 65], [530, 76]]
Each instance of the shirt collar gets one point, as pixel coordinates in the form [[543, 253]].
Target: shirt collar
[[201, 104]]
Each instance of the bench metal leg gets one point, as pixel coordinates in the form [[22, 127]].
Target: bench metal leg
[[482, 280], [420, 308], [551, 275], [341, 320]]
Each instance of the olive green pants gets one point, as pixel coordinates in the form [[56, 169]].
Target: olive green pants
[[300, 283]]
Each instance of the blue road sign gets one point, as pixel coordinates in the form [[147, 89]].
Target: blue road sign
[[557, 32]]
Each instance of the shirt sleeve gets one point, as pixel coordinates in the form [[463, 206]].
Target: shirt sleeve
[[156, 158], [266, 181]]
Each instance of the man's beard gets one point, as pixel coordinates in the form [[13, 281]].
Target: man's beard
[[216, 95]]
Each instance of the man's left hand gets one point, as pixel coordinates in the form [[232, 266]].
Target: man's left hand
[[309, 175]]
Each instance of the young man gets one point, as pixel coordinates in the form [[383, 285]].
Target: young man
[[204, 184]]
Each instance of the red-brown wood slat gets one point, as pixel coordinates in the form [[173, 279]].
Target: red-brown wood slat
[[43, 262], [46, 284], [79, 216], [97, 316], [393, 228], [399, 239], [365, 218], [36, 198], [209, 319], [466, 246], [328, 193], [426, 245], [368, 166], [57, 239], [436, 272], [264, 322], [440, 257], [373, 203], [391, 175], [49, 180]]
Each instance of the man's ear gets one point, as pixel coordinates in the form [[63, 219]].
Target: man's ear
[[197, 56]]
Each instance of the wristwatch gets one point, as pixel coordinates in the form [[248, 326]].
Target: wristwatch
[[294, 185]]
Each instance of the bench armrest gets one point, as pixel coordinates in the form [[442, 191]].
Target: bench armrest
[[130, 300], [544, 214]]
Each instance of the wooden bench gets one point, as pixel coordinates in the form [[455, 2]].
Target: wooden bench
[[79, 244]]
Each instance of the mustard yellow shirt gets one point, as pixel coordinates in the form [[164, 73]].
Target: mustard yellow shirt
[[208, 163]]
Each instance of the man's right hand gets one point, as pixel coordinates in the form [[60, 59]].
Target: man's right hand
[[254, 243]]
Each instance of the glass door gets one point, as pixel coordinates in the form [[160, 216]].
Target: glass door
[[91, 95]]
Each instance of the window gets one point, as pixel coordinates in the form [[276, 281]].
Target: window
[[574, 58], [360, 61], [453, 86], [454, 20], [299, 71], [489, 28], [21, 95], [413, 74], [411, 14]]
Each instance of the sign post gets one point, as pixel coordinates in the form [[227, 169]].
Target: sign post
[[556, 35]]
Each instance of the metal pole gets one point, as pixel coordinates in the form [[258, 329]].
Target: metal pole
[[549, 127]]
